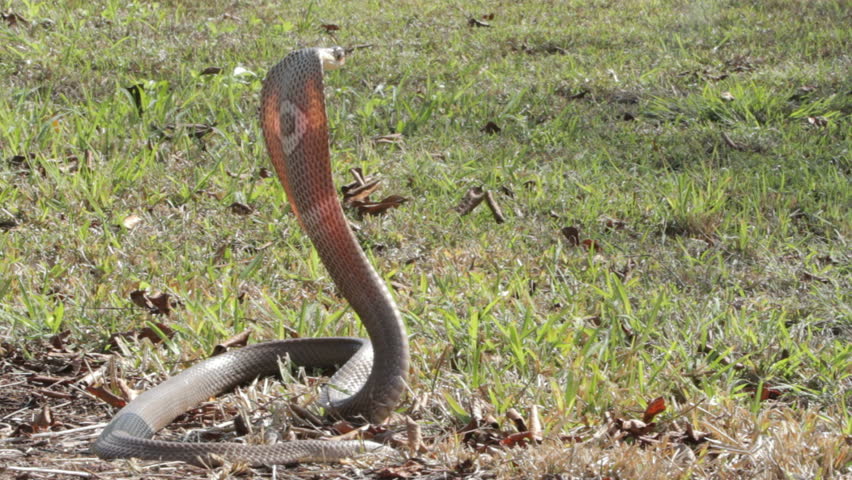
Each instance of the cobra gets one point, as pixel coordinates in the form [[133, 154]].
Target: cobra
[[373, 373]]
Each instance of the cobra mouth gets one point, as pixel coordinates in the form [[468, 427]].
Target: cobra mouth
[[332, 58]]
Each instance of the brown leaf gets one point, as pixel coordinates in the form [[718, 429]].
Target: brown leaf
[[636, 427], [695, 436], [495, 209], [240, 208], [264, 172], [410, 469], [393, 138], [519, 438], [43, 420], [471, 199], [151, 333], [488, 16], [158, 304], [655, 407], [211, 71], [58, 341], [378, 208], [517, 419], [613, 223], [535, 424], [13, 19], [591, 244], [572, 234], [414, 436], [360, 193], [330, 27], [242, 426], [106, 396], [128, 393], [238, 340], [769, 393], [490, 128]]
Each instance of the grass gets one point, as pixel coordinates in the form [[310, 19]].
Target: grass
[[704, 147]]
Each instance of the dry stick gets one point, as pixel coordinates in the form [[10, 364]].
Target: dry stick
[[55, 434], [51, 471]]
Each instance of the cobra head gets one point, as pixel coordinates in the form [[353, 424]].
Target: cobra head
[[332, 58]]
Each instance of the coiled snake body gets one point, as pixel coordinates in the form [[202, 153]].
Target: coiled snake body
[[373, 374]]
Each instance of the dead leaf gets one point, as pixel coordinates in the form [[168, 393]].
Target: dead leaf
[[410, 469], [490, 128], [519, 439], [488, 16], [695, 436], [613, 223], [472, 198], [13, 19], [535, 424], [240, 208], [727, 96], [414, 436], [769, 393], [636, 427], [131, 221], [572, 234], [128, 393], [495, 209], [211, 71], [238, 340], [330, 27], [264, 172], [655, 407], [43, 420], [359, 193], [158, 304], [152, 332], [591, 244], [378, 208], [106, 396], [472, 22], [58, 341], [517, 419], [392, 138]]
